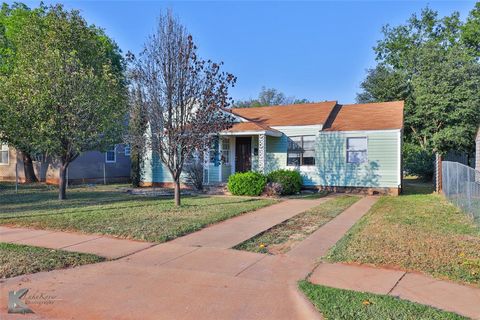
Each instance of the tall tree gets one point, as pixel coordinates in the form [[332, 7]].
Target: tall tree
[[68, 77], [268, 97], [471, 30], [185, 96], [383, 84], [427, 63], [16, 122]]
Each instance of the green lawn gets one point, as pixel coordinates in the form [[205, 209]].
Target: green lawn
[[350, 305], [417, 231], [17, 259], [107, 210], [284, 236]]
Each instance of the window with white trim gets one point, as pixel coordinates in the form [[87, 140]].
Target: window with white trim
[[301, 151], [127, 150], [357, 150], [111, 155], [213, 152], [225, 151], [4, 156]]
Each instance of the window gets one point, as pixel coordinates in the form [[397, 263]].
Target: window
[[213, 152], [225, 151], [4, 158], [301, 151], [357, 150], [127, 150], [111, 155]]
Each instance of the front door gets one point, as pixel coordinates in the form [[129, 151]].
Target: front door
[[243, 154]]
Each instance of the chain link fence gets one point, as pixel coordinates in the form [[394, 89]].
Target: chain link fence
[[461, 185], [12, 177], [9, 178]]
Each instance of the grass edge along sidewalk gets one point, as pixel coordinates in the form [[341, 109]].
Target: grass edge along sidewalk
[[284, 236], [108, 211], [352, 305], [415, 232], [17, 259]]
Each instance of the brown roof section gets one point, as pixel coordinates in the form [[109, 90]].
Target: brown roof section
[[248, 126], [369, 116], [289, 115]]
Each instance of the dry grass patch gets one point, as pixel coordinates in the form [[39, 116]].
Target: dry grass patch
[[415, 232], [284, 236]]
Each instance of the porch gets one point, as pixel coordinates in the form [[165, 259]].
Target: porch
[[236, 152]]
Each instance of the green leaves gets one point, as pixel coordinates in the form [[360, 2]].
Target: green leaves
[[66, 86], [62, 88], [431, 63]]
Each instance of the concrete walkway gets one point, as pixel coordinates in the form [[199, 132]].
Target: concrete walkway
[[199, 277], [178, 279], [318, 244], [108, 247], [241, 228], [416, 287]]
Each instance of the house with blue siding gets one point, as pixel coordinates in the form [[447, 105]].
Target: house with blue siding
[[333, 146]]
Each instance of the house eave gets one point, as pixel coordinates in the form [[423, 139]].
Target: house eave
[[252, 133]]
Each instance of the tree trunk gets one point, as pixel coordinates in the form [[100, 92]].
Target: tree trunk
[[30, 176], [177, 192], [135, 168], [62, 182]]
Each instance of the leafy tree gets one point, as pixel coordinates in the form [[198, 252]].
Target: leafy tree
[[269, 97], [447, 100], [68, 79], [383, 84], [185, 96], [16, 122], [471, 30], [427, 63]]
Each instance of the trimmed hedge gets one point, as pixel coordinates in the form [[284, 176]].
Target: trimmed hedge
[[290, 180], [247, 183]]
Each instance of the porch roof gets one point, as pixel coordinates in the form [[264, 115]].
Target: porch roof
[[251, 128]]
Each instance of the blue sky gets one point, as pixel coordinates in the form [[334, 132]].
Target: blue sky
[[314, 50]]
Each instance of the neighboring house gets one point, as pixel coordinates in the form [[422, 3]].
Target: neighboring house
[[89, 167], [333, 146], [477, 151]]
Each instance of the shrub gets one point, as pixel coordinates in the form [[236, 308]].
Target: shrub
[[194, 173], [418, 162], [290, 180], [247, 183], [273, 189]]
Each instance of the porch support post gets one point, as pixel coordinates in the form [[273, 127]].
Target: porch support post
[[262, 152]]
